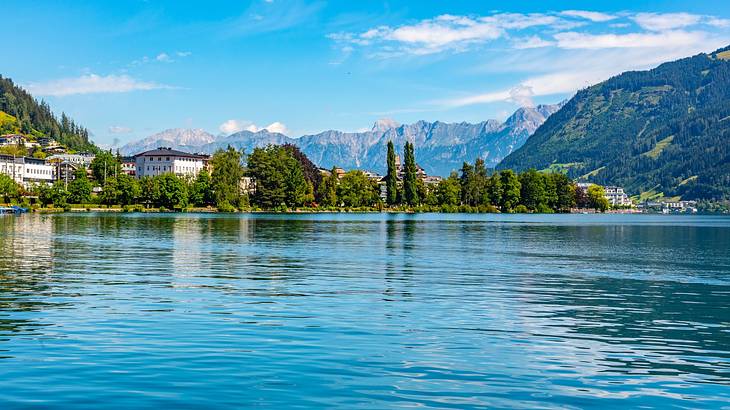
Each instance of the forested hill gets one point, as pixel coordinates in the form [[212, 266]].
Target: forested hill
[[664, 131], [21, 113]]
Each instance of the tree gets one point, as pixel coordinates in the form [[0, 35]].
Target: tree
[[128, 190], [8, 188], [109, 192], [356, 190], [299, 191], [410, 193], [597, 198], [201, 190], [328, 189], [150, 190], [510, 190], [481, 195], [391, 178], [448, 191], [278, 177], [79, 189], [226, 177], [565, 192], [467, 185], [494, 189], [105, 165], [532, 190], [172, 192], [55, 194], [309, 169]]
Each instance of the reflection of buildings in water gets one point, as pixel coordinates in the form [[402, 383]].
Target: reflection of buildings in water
[[26, 243], [26, 260], [186, 248]]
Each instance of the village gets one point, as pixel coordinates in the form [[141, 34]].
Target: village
[[57, 164]]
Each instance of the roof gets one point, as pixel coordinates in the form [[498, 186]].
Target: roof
[[161, 152]]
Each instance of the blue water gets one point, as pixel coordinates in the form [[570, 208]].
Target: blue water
[[364, 311]]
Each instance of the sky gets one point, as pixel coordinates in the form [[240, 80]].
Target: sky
[[129, 69]]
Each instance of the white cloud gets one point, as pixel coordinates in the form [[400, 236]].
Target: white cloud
[[118, 129], [91, 84], [445, 32], [666, 21], [531, 42], [589, 15], [163, 57], [277, 127], [233, 126], [183, 53], [574, 40]]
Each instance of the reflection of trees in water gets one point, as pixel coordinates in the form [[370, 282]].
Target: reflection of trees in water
[[399, 247]]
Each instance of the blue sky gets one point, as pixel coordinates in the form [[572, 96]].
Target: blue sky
[[128, 69]]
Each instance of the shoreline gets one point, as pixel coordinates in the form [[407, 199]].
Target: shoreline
[[341, 211]]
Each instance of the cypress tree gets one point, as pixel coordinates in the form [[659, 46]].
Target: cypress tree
[[391, 179], [409, 179]]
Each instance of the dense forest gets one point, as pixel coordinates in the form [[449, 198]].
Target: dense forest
[[662, 132], [21, 113]]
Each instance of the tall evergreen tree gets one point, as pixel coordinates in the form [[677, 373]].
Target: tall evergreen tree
[[410, 192], [391, 179]]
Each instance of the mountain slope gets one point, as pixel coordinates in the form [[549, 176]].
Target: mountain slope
[[665, 130], [440, 147], [21, 113]]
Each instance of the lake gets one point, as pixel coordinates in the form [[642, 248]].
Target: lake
[[364, 311]]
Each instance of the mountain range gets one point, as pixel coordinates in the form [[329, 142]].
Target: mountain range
[[440, 147], [664, 132]]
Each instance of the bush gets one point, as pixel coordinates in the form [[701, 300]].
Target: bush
[[521, 209], [226, 207]]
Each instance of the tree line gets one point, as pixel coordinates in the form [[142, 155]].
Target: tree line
[[35, 119], [283, 178]]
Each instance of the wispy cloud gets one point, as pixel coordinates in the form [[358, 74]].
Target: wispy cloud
[[444, 33], [574, 40], [451, 33], [562, 51], [268, 16], [92, 84], [589, 15], [666, 21], [118, 129]]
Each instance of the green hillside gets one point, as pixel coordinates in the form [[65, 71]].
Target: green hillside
[[21, 113], [666, 130]]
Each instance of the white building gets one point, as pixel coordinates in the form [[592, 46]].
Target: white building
[[83, 159], [616, 196], [167, 160], [26, 171], [37, 171]]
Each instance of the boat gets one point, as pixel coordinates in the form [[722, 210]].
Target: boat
[[13, 210]]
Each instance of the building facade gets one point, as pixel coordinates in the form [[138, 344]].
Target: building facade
[[83, 159], [26, 171], [167, 160], [616, 196]]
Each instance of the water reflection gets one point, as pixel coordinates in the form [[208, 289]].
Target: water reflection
[[365, 310]]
